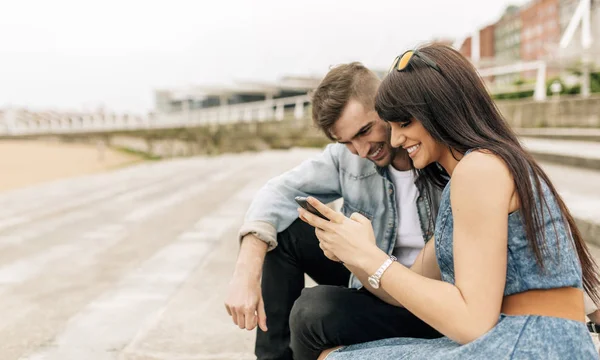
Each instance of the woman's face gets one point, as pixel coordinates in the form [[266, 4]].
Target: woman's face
[[419, 143]]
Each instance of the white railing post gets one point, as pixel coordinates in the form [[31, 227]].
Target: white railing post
[[247, 114], [540, 66], [585, 77], [234, 113], [586, 26], [225, 114], [539, 93], [262, 113], [266, 111], [66, 124], [20, 121], [279, 111], [299, 109], [10, 120], [475, 47]]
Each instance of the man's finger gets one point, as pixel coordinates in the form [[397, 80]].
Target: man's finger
[[329, 213], [358, 217], [241, 321], [262, 316], [250, 317], [321, 234], [234, 316], [324, 237], [314, 220], [322, 246], [227, 308]]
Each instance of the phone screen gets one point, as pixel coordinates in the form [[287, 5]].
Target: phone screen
[[301, 200]]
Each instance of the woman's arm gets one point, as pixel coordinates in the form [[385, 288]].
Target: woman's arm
[[481, 192], [425, 264]]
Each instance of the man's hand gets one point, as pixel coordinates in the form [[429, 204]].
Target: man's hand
[[347, 239], [244, 301], [329, 255], [595, 317]]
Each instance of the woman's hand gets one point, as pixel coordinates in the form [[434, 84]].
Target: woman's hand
[[348, 239]]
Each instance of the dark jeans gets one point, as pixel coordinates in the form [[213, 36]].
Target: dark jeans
[[304, 322]]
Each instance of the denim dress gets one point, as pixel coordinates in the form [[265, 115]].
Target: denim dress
[[513, 337]]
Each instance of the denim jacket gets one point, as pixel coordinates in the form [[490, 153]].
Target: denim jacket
[[336, 172]]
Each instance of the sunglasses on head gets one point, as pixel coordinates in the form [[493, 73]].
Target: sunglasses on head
[[401, 62]]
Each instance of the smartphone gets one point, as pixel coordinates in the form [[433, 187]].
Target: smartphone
[[301, 200]]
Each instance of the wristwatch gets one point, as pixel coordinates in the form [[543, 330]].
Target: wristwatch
[[593, 327], [374, 279]]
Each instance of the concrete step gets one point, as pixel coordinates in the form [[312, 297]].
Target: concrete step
[[578, 134], [580, 189], [583, 154]]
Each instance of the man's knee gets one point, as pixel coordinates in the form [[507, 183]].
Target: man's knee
[[316, 311]]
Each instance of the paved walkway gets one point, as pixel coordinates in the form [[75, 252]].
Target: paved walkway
[[134, 264], [130, 264], [580, 189], [560, 132], [584, 154], [584, 149]]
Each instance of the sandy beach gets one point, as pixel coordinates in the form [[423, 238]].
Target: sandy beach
[[28, 162]]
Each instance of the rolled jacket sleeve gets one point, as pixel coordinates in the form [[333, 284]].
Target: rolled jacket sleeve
[[274, 208]]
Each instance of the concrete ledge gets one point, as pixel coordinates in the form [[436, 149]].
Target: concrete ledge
[[582, 154], [577, 134], [589, 231], [581, 162], [580, 190]]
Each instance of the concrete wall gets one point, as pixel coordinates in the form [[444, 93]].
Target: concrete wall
[[167, 143], [568, 111]]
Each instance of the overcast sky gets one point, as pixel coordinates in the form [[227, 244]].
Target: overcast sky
[[80, 54]]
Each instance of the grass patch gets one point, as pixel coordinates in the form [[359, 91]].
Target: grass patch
[[141, 154]]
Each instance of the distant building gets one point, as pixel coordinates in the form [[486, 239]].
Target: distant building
[[465, 47], [507, 43], [533, 32], [201, 97], [507, 36], [486, 45], [540, 31]]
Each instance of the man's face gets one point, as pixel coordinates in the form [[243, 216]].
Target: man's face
[[364, 134]]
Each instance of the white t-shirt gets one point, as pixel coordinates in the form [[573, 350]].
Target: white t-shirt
[[409, 240]]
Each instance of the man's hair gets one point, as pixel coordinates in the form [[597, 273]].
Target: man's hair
[[342, 83]]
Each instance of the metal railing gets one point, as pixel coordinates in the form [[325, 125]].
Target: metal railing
[[21, 122]]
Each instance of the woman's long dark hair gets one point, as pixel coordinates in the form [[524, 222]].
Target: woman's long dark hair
[[456, 109]]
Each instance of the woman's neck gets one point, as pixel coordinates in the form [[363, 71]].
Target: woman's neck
[[448, 160]]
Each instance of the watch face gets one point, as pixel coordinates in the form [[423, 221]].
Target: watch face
[[374, 283]]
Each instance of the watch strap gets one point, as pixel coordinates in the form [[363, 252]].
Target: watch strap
[[379, 273], [593, 327]]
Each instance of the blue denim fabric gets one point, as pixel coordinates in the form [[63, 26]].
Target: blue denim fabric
[[514, 337], [335, 173]]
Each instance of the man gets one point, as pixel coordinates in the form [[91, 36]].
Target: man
[[374, 180]]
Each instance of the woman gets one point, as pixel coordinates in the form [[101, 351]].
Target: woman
[[503, 278]]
